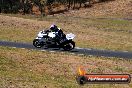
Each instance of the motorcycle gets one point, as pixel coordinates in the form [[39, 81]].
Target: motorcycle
[[53, 40]]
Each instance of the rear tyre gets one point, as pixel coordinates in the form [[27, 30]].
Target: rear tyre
[[37, 44], [69, 45]]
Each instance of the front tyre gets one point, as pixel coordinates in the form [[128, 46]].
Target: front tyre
[[37, 44], [69, 45]]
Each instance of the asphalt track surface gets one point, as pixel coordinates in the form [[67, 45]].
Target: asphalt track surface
[[77, 50]]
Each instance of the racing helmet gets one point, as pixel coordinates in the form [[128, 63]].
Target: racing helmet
[[53, 27]]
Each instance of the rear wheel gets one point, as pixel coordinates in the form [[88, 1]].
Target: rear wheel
[[37, 44], [68, 45]]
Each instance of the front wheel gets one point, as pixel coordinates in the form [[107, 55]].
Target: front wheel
[[69, 45], [37, 44]]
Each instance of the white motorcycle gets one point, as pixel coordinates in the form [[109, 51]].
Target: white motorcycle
[[53, 40]]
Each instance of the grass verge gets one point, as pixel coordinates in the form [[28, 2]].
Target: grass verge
[[36, 69]]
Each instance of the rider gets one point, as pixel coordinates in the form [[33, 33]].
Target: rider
[[57, 30], [54, 28]]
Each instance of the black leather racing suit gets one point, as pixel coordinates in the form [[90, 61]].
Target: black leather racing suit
[[60, 34]]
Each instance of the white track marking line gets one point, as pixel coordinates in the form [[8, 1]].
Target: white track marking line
[[62, 52], [72, 53], [102, 49], [13, 47], [102, 56], [108, 57], [42, 50], [81, 54], [78, 54], [22, 48], [125, 51], [83, 48], [79, 48], [88, 49], [52, 51]]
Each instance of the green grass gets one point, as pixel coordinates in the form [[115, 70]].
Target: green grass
[[36, 69], [15, 34]]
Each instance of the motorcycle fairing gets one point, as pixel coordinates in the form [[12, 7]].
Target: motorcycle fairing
[[70, 36]]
